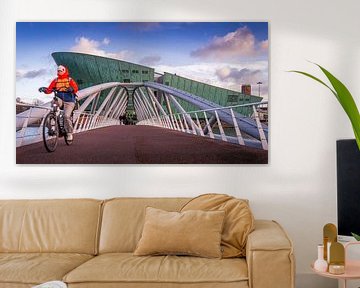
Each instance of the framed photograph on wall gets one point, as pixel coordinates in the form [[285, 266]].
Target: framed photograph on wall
[[142, 92]]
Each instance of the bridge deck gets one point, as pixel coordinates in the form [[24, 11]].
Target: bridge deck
[[139, 144]]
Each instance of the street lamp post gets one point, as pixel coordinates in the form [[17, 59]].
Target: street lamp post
[[259, 83]]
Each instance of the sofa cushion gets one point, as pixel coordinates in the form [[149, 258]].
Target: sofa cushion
[[62, 226], [126, 268], [123, 220], [193, 232], [36, 268], [239, 220]]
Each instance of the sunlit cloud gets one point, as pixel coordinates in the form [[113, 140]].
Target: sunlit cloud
[[240, 43], [90, 46], [235, 77], [264, 46]]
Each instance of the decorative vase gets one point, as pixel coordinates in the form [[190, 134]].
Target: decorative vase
[[320, 264]]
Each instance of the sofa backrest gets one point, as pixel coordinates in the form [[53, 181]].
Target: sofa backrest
[[64, 226], [123, 220]]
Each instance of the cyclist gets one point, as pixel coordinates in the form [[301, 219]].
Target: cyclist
[[66, 96]]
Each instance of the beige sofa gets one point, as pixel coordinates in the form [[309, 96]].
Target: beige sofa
[[89, 243]]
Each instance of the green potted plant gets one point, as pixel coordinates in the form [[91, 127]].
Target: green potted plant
[[344, 97], [346, 100]]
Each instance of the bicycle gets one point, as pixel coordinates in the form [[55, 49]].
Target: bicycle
[[54, 126]]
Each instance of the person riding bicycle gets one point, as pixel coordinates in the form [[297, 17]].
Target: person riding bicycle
[[66, 96]]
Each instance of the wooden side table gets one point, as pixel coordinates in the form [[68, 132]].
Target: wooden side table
[[352, 268]]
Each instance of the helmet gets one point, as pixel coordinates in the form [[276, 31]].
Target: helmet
[[61, 70]]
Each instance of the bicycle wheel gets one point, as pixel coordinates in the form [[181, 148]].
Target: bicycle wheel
[[50, 132]]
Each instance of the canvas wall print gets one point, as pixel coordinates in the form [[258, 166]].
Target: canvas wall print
[[142, 93]]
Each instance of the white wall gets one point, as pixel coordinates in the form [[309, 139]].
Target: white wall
[[297, 188]]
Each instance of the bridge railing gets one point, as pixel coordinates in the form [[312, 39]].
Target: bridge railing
[[207, 123], [88, 121], [31, 128], [29, 122]]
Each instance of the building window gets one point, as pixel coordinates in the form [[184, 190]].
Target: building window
[[125, 71], [233, 98], [145, 72], [135, 71]]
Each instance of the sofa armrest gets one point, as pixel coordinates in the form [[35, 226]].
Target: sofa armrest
[[269, 256]]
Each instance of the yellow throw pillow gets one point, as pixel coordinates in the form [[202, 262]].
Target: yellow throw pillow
[[239, 220], [196, 233]]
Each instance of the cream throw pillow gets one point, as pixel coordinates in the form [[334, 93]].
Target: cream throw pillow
[[238, 223], [193, 232]]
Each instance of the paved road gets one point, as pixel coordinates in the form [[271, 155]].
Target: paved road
[[140, 144]]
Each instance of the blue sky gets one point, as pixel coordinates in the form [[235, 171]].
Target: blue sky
[[225, 54]]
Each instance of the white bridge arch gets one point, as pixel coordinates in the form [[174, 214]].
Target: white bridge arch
[[155, 104]]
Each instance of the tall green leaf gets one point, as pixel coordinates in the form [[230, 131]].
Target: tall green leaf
[[357, 237], [344, 97], [347, 102], [316, 79]]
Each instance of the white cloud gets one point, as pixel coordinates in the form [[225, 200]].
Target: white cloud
[[106, 41], [203, 72], [244, 75], [30, 74], [89, 46], [150, 60], [235, 77], [238, 44]]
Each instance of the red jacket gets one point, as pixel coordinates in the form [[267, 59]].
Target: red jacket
[[65, 76]]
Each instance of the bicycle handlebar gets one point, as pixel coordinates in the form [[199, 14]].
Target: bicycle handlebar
[[54, 90]]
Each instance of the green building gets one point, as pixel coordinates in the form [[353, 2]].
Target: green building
[[221, 96], [88, 70]]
